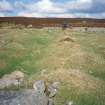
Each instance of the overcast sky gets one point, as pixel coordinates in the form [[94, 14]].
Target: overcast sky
[[53, 8]]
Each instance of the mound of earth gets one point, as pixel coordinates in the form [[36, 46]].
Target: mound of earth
[[15, 45], [67, 39]]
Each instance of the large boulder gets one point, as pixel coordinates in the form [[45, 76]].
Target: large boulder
[[24, 97], [30, 97]]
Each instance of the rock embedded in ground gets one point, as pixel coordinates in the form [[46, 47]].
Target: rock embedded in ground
[[15, 78], [36, 96], [52, 89], [24, 97], [39, 86], [52, 92], [30, 97], [7, 96]]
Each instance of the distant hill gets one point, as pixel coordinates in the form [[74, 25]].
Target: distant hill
[[54, 22]]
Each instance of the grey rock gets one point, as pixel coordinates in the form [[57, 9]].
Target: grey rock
[[39, 86], [52, 89], [7, 96], [26, 97], [34, 96], [52, 92]]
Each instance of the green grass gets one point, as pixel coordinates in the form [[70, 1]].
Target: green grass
[[23, 49], [78, 98], [94, 45], [34, 50]]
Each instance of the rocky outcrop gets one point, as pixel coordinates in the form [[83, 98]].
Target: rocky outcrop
[[30, 97], [26, 97], [36, 96]]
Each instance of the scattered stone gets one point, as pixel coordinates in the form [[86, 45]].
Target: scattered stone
[[52, 89], [39, 86]]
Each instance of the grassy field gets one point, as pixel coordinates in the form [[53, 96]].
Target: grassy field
[[75, 59]]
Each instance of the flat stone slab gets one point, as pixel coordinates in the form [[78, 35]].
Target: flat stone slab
[[24, 97]]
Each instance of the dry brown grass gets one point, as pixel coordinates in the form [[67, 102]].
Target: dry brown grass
[[75, 78]]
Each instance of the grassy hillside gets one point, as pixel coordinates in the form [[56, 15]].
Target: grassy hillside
[[75, 59]]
